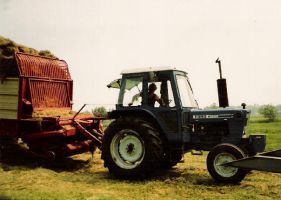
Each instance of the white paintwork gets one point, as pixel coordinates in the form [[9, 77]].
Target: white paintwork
[[127, 149], [147, 69], [9, 91], [225, 171]]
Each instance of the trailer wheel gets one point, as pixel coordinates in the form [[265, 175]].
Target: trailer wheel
[[221, 154], [131, 148]]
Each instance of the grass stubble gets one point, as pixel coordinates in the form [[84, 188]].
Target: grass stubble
[[78, 177]]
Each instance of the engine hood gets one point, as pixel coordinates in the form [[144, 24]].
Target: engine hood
[[219, 114]]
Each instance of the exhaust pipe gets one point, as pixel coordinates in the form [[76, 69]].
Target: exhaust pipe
[[222, 88]]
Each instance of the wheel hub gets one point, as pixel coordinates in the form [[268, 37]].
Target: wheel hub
[[127, 149], [130, 148], [224, 171]]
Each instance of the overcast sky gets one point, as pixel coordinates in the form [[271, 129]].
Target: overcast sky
[[99, 39]]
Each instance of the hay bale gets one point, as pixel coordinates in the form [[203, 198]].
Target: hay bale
[[9, 47], [8, 66]]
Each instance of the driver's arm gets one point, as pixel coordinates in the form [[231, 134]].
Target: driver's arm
[[159, 100], [135, 98]]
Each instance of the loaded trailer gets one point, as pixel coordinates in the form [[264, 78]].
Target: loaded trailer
[[34, 92]]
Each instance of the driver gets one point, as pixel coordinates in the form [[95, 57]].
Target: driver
[[152, 97]]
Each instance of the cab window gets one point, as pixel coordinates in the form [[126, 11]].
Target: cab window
[[131, 92], [185, 92]]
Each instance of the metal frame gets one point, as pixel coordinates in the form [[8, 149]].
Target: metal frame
[[40, 79], [55, 91], [267, 161], [38, 68]]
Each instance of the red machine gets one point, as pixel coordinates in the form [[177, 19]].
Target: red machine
[[34, 91]]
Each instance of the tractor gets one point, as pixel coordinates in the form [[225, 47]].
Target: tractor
[[143, 137]]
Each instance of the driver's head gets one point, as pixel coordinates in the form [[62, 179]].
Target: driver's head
[[152, 87]]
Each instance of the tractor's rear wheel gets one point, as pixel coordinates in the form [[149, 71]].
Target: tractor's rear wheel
[[221, 154], [131, 148]]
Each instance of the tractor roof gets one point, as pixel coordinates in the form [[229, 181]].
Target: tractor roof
[[148, 69]]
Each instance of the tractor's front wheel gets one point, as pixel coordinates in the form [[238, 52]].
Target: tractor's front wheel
[[131, 148], [221, 154]]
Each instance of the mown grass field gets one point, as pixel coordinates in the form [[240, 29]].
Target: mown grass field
[[75, 178], [272, 131]]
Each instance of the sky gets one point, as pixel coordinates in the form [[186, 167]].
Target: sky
[[100, 38]]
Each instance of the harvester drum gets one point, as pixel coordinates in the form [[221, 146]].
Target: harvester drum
[[34, 92]]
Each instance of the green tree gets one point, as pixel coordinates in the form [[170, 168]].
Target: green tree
[[269, 112], [100, 111]]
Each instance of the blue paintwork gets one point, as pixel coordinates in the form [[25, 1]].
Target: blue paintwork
[[190, 128]]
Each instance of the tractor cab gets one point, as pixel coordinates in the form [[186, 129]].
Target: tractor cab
[[172, 87], [167, 104]]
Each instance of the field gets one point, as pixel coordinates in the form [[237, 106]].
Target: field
[[76, 178]]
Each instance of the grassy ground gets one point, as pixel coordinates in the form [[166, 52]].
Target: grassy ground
[[76, 178], [271, 129]]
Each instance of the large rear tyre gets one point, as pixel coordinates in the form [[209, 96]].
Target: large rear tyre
[[131, 148], [221, 154]]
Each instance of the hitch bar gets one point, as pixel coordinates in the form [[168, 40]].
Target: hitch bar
[[267, 161], [87, 134]]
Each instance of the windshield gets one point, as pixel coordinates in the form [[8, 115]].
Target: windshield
[[130, 93], [186, 94]]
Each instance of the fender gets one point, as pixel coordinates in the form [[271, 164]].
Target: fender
[[139, 112]]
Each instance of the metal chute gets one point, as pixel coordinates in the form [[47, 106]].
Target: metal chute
[[267, 161]]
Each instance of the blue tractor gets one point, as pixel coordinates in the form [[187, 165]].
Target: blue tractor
[[157, 121]]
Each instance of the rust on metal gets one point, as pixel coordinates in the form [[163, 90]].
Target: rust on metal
[[44, 134], [79, 147], [46, 94], [42, 67], [45, 83]]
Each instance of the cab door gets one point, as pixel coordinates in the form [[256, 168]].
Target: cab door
[[187, 102], [167, 114]]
